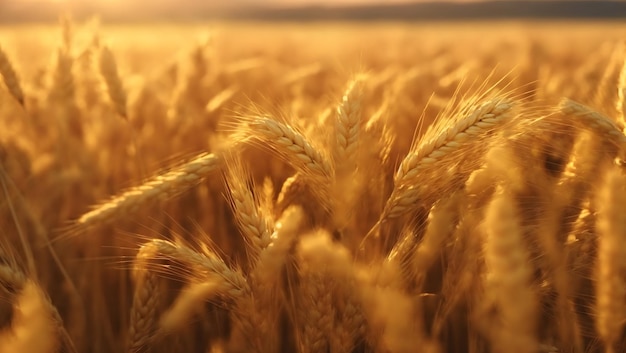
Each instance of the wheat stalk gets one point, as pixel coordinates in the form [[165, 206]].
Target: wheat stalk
[[620, 103]]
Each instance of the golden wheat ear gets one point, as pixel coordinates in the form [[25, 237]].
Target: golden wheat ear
[[10, 77], [440, 141], [208, 276], [35, 325], [587, 118], [113, 82], [146, 302], [508, 277], [158, 188], [348, 125], [290, 144], [258, 314], [253, 223]]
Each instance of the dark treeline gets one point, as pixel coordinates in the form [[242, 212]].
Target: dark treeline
[[519, 9], [423, 11]]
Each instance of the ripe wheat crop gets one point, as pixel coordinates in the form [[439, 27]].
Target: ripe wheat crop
[[313, 188]]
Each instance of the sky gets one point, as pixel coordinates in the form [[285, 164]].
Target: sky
[[117, 6], [215, 3]]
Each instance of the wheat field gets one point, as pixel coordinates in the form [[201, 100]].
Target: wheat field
[[314, 188]]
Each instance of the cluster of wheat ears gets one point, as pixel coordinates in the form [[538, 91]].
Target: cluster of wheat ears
[[420, 210]]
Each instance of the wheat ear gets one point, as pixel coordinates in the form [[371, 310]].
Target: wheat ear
[[348, 125], [110, 74], [591, 119], [508, 277], [252, 223], [63, 87], [157, 188], [146, 301], [258, 314], [201, 266], [444, 141], [316, 312], [10, 77], [292, 145], [35, 326], [209, 275], [442, 221], [611, 259]]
